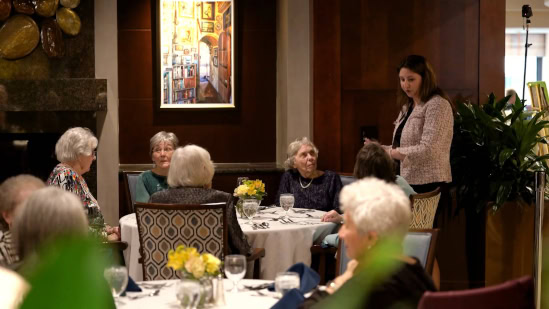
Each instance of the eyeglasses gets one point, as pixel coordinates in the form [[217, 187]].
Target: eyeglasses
[[94, 153]]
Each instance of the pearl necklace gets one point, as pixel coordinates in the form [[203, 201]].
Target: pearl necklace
[[305, 187]]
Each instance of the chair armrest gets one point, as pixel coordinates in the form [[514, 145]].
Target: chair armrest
[[318, 249], [257, 253]]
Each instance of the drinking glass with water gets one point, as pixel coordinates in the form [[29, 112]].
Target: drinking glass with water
[[286, 281], [287, 201], [250, 208], [117, 277], [235, 269]]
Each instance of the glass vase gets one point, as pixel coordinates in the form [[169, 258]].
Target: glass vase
[[238, 206], [195, 293]]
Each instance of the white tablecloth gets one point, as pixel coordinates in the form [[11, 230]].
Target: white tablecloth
[[285, 244], [167, 297]]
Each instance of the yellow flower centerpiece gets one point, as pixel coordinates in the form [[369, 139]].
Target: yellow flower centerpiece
[[249, 189], [192, 264]]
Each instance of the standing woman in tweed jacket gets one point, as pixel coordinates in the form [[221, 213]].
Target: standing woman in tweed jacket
[[424, 128]]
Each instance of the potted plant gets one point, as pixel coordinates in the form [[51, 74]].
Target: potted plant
[[494, 159]]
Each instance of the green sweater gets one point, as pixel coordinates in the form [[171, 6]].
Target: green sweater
[[147, 184]]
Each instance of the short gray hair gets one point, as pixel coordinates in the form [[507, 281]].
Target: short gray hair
[[191, 166], [73, 143], [163, 136], [48, 214], [14, 191], [294, 147], [375, 205]]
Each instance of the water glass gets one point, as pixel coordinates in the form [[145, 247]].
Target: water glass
[[287, 201], [117, 277], [250, 208], [235, 269], [286, 281], [240, 180], [188, 293]]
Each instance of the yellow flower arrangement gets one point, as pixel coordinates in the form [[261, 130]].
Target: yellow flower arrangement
[[251, 189], [193, 264]]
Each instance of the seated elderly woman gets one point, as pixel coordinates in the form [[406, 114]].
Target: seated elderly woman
[[373, 161], [75, 149], [162, 146], [190, 180], [47, 214], [13, 192], [375, 211], [311, 188]]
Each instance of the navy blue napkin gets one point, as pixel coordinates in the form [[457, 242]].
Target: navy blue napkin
[[132, 286], [309, 278], [290, 300]]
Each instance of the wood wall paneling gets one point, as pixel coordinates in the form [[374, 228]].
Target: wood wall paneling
[[327, 82], [463, 40], [246, 134]]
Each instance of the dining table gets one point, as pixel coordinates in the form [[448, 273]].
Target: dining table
[[286, 240], [162, 294]]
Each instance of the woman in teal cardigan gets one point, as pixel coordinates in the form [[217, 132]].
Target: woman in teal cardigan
[[162, 146]]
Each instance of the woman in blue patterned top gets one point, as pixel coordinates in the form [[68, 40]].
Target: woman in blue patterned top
[[312, 188], [162, 146]]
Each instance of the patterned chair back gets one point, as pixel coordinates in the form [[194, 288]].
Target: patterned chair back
[[165, 226], [424, 207]]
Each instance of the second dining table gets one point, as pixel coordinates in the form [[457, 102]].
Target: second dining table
[[286, 241]]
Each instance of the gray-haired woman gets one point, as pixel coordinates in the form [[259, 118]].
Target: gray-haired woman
[[311, 187], [162, 146], [47, 214], [75, 149], [190, 180]]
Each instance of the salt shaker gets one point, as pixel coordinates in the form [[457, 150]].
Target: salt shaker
[[219, 292]]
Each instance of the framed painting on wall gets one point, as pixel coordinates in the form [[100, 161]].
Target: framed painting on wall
[[186, 43]]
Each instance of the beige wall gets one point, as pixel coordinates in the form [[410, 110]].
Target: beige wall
[[106, 66], [294, 74], [513, 18]]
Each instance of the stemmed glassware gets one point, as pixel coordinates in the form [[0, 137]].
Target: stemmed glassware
[[287, 201], [250, 207], [235, 269], [117, 277]]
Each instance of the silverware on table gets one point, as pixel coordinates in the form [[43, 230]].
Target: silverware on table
[[137, 296]]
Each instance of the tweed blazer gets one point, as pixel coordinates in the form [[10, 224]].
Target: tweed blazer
[[425, 141], [238, 243]]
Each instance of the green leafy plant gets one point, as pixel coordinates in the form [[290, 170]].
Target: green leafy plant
[[494, 153]]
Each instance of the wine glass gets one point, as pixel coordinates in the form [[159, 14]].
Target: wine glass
[[286, 281], [286, 202], [250, 207], [117, 277], [235, 269]]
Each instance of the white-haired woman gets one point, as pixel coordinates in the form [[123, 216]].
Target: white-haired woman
[[162, 146], [190, 182], [13, 192], [48, 213], [311, 187], [75, 149], [375, 210]]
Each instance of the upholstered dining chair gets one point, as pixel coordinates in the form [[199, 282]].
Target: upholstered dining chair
[[518, 294], [130, 182], [421, 243], [163, 227], [424, 207]]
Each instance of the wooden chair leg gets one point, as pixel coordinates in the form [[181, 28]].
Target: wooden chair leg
[[257, 268], [322, 268]]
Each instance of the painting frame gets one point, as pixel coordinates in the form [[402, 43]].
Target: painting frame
[[208, 10], [177, 74]]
